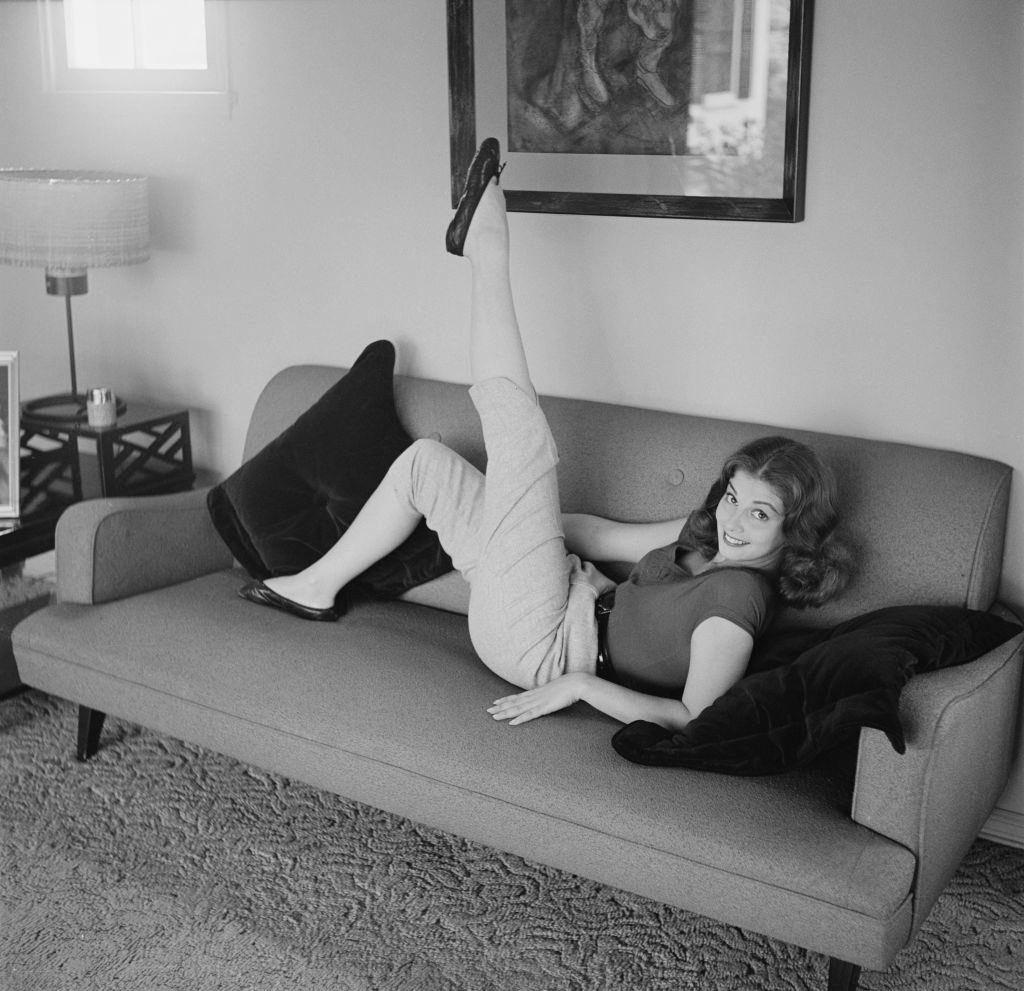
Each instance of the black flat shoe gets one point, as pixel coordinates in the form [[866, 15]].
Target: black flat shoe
[[262, 595], [485, 166]]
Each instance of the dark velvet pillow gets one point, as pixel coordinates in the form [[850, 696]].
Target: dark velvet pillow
[[289, 503], [810, 692]]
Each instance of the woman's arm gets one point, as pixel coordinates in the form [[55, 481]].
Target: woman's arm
[[719, 654], [595, 538]]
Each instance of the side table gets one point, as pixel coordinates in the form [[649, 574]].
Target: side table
[[147, 451]]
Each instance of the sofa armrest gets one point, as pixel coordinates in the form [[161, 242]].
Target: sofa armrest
[[960, 726], [112, 548]]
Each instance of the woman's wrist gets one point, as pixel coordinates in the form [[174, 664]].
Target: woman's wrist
[[627, 705], [592, 689]]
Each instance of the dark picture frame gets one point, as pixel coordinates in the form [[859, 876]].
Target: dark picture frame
[[539, 147], [10, 436]]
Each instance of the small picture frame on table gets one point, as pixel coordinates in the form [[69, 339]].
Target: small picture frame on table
[[10, 436]]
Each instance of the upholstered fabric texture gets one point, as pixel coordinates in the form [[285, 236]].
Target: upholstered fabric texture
[[812, 691], [289, 504]]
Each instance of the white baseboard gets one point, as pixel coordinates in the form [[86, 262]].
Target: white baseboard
[[1005, 827]]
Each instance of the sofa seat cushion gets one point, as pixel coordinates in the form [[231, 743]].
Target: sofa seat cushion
[[400, 685]]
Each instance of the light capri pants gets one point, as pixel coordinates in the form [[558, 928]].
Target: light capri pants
[[531, 607]]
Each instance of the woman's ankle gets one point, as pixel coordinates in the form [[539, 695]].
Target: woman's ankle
[[487, 240]]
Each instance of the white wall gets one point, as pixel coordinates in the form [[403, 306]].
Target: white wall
[[310, 221]]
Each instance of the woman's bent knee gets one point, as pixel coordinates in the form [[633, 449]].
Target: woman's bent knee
[[446, 490], [419, 471]]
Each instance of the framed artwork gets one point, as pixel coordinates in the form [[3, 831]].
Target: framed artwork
[[10, 435], [653, 108]]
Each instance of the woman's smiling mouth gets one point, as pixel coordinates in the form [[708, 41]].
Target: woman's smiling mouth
[[732, 541]]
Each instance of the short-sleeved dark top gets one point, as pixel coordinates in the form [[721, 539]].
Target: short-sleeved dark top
[[661, 603]]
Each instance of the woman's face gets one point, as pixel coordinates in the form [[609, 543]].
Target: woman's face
[[750, 517]]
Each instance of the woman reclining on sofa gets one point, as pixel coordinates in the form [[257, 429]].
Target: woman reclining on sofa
[[684, 622]]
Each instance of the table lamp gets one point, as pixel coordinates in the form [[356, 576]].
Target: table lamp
[[66, 223]]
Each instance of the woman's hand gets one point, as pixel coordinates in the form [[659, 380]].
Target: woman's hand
[[557, 694], [598, 579]]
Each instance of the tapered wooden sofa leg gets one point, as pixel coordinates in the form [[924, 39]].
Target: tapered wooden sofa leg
[[842, 976], [90, 724]]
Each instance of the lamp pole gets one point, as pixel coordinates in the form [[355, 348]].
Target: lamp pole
[[71, 344], [67, 284]]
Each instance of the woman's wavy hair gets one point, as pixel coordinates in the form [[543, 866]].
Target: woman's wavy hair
[[814, 564]]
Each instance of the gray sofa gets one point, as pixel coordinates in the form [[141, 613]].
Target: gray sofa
[[388, 706]]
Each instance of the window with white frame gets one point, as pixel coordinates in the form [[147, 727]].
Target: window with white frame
[[134, 46]]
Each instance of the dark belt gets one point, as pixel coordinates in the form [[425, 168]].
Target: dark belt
[[602, 610]]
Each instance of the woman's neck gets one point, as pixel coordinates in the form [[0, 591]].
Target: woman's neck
[[697, 563]]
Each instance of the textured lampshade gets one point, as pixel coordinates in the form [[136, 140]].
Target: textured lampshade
[[69, 221]]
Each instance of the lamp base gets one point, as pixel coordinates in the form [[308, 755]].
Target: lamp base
[[66, 407]]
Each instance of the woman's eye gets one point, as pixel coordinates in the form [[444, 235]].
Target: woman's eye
[[730, 498]]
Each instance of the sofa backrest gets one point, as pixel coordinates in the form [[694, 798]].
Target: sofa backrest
[[927, 525]]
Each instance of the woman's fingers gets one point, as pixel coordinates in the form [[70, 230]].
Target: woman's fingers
[[515, 708], [521, 708]]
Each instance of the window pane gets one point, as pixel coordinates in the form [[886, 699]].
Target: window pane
[[100, 34], [172, 34]]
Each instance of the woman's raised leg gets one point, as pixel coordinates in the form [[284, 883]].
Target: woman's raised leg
[[531, 612], [389, 516], [495, 345]]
